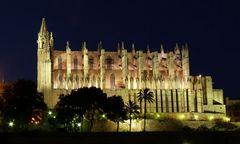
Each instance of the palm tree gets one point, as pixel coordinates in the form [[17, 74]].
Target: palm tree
[[147, 96], [132, 109]]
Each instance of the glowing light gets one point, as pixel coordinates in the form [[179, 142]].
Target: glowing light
[[158, 115], [196, 117], [103, 116], [226, 119], [54, 117], [11, 124], [131, 115], [200, 75], [134, 124], [182, 117], [211, 118], [79, 124], [186, 142], [49, 112]]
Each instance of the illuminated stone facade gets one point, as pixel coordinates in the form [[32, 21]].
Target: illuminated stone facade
[[124, 73]]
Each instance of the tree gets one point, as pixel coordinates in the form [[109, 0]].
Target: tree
[[115, 110], [96, 101], [147, 96], [70, 109], [85, 101], [132, 109], [21, 102]]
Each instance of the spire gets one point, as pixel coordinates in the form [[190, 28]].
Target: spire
[[99, 47], [43, 28], [67, 45], [176, 50], [84, 48], [133, 49], [162, 50], [148, 52], [148, 49], [84, 45], [51, 39], [119, 49], [122, 45], [68, 49]]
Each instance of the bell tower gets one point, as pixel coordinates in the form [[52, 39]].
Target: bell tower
[[44, 63]]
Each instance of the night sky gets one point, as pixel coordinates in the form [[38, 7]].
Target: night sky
[[210, 27]]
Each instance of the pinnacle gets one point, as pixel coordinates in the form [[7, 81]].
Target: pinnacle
[[43, 28]]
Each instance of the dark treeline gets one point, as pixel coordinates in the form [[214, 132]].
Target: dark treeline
[[22, 108]]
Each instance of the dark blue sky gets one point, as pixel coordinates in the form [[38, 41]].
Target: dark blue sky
[[210, 27]]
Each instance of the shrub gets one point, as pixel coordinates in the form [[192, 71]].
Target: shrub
[[171, 124], [202, 128], [187, 128], [223, 126]]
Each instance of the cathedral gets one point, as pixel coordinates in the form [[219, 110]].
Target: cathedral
[[124, 72]]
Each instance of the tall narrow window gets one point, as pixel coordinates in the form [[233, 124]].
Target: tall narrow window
[[93, 81], [60, 81], [75, 63], [59, 62], [77, 82], [91, 62], [109, 62], [112, 81]]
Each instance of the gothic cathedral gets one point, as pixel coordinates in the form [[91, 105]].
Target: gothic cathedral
[[124, 73]]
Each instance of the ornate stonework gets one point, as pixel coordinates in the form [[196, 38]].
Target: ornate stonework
[[123, 73]]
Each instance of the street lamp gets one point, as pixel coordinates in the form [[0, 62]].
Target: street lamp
[[49, 112], [11, 124]]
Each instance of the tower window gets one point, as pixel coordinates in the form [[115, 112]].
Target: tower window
[[60, 62]]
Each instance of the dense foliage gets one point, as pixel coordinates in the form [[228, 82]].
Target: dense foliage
[[21, 103], [83, 103]]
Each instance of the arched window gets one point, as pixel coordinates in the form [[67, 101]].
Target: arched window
[[91, 62], [60, 62], [109, 62], [75, 62], [112, 81]]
